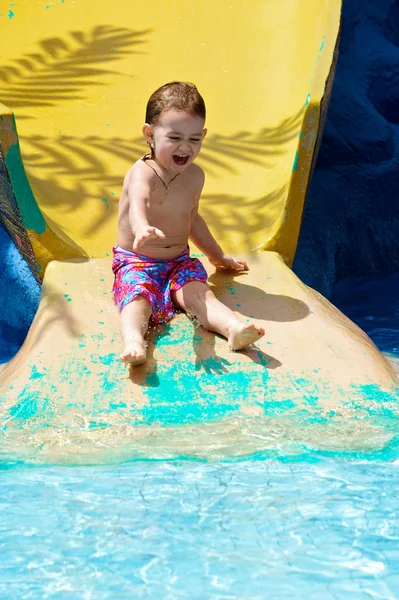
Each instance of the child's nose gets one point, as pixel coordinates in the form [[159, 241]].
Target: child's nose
[[184, 146]]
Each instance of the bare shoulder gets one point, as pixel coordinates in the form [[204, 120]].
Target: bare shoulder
[[197, 175], [139, 172]]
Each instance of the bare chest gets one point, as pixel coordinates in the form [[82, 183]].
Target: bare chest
[[172, 204]]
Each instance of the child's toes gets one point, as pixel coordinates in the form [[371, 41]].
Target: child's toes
[[242, 335], [134, 354]]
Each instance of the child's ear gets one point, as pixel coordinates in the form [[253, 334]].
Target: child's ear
[[204, 133], [147, 133]]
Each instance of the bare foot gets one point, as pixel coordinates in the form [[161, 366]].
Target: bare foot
[[242, 334], [135, 353]]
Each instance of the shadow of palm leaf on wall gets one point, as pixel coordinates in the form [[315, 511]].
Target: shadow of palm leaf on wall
[[233, 225], [63, 67], [87, 162], [248, 147], [70, 172]]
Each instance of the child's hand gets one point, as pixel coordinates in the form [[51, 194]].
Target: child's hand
[[229, 262], [145, 233]]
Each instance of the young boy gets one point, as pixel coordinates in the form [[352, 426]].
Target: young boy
[[158, 213]]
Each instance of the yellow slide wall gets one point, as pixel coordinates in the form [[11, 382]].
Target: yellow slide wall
[[78, 74]]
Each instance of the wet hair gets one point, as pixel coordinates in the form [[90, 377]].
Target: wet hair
[[177, 95]]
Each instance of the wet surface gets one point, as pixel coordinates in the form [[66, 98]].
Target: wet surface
[[307, 525]]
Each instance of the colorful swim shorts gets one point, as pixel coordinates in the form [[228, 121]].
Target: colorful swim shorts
[[153, 278]]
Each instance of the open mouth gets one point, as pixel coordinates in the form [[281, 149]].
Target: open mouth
[[180, 160]]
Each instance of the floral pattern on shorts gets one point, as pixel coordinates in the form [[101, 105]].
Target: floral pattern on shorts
[[154, 279]]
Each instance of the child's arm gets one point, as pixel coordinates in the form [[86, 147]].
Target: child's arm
[[204, 240], [139, 190]]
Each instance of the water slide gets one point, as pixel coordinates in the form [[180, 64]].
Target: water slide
[[76, 77]]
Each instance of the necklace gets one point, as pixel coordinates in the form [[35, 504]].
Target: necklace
[[166, 186]]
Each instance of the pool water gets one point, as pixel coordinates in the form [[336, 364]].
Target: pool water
[[373, 304], [309, 526]]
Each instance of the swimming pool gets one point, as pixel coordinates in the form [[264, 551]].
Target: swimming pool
[[310, 525]]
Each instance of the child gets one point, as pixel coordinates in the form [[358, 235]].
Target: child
[[158, 213]]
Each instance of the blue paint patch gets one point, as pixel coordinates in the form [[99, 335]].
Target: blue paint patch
[[295, 166], [26, 409], [35, 373], [68, 297], [370, 400], [106, 360], [108, 385], [170, 335], [10, 14], [188, 391], [263, 360], [32, 404], [105, 200], [82, 369], [98, 336], [277, 407], [96, 425], [116, 405], [195, 412]]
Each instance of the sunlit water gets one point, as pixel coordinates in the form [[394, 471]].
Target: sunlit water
[[305, 526]]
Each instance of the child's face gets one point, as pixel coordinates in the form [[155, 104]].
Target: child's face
[[177, 139]]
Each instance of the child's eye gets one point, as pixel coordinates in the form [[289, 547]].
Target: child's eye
[[195, 140], [174, 138]]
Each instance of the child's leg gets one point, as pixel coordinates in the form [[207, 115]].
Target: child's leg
[[134, 324], [196, 297]]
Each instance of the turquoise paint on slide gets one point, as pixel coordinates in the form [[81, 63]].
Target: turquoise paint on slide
[[296, 161], [374, 402], [31, 404], [31, 214], [185, 393], [35, 373], [25, 409]]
